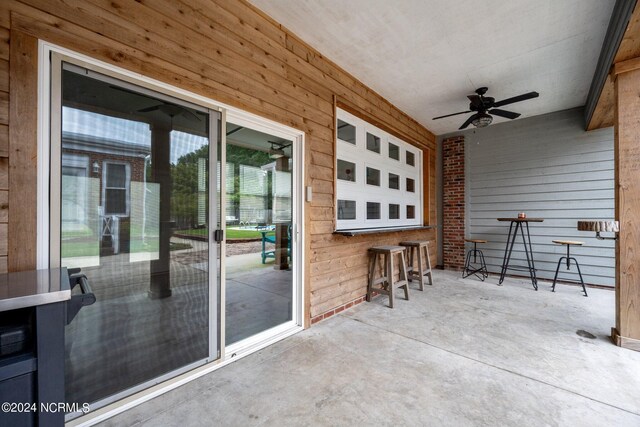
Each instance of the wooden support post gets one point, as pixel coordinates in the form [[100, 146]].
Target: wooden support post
[[23, 152], [627, 208]]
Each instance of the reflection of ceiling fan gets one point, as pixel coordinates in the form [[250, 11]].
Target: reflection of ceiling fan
[[483, 105], [277, 149], [172, 110]]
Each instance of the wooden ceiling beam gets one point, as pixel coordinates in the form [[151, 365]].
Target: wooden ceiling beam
[[625, 66]]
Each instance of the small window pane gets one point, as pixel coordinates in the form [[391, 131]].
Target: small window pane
[[373, 210], [394, 151], [346, 132], [411, 160], [116, 175], [373, 176], [346, 209], [411, 185], [373, 143], [346, 170], [394, 181], [116, 202], [411, 211], [394, 211]]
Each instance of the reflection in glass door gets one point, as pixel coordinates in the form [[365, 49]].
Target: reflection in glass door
[[259, 285], [134, 217]]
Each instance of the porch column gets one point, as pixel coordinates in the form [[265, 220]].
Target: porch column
[[453, 213], [160, 286], [627, 206]]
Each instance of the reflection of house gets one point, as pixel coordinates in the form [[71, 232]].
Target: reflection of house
[[86, 156], [109, 166]]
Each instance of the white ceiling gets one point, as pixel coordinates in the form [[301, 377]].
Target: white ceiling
[[425, 56]]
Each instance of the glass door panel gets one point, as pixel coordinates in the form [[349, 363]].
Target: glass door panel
[[258, 215], [134, 217]]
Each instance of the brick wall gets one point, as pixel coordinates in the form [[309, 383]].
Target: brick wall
[[453, 203], [136, 163]]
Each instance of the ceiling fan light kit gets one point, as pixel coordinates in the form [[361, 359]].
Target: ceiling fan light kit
[[482, 120], [275, 153], [277, 150], [485, 106]]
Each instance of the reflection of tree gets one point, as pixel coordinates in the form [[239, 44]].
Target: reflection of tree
[[184, 206], [237, 156], [246, 156], [184, 198]]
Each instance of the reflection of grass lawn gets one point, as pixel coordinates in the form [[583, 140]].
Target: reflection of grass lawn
[[178, 246], [78, 249], [138, 246], [200, 232], [232, 233], [81, 248]]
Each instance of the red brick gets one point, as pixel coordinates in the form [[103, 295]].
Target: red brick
[[328, 314], [454, 209]]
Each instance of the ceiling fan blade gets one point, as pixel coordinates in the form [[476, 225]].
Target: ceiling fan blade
[[503, 113], [468, 122], [146, 110], [476, 101], [232, 131], [449, 115], [190, 115], [121, 89], [518, 98]]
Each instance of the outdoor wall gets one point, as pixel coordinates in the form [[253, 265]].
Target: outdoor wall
[[548, 167], [230, 52]]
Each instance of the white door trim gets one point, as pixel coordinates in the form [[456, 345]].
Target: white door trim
[[297, 137]]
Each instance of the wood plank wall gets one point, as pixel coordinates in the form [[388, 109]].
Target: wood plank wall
[[231, 52], [4, 141]]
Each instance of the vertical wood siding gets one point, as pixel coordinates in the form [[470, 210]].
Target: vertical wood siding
[[548, 167], [4, 142], [229, 51]]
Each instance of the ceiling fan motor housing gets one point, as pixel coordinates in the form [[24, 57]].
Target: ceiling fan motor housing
[[487, 102]]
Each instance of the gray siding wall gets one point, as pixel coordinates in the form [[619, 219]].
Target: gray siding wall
[[548, 167]]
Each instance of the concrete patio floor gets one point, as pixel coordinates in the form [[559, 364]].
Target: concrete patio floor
[[460, 353]]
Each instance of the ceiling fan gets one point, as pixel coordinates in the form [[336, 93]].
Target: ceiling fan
[[167, 108], [171, 110], [483, 105]]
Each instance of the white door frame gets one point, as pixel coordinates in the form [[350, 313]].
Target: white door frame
[[254, 122], [48, 127], [55, 144]]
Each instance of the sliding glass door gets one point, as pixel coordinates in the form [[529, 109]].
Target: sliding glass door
[[135, 217], [184, 223], [259, 212]]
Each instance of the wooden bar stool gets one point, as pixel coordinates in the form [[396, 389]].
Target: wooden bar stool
[[475, 268], [418, 247], [568, 259], [387, 285]]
